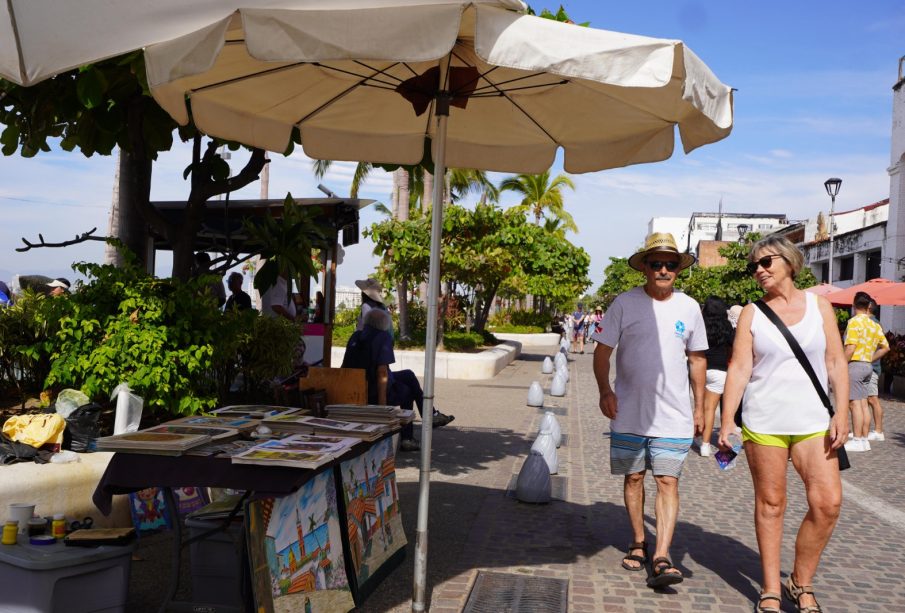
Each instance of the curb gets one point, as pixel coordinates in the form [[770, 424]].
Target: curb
[[449, 365]]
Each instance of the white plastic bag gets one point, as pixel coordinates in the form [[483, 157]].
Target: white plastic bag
[[68, 401], [128, 409], [64, 457]]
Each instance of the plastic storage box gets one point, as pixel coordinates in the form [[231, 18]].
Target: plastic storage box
[[217, 563], [59, 579]]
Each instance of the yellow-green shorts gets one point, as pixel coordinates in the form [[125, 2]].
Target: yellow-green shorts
[[778, 440]]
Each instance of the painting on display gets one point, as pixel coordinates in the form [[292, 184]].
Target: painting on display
[[372, 510], [150, 512], [295, 550]]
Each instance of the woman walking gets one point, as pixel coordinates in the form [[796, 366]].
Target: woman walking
[[720, 335], [784, 418]]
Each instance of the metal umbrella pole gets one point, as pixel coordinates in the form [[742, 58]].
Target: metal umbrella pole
[[441, 102]]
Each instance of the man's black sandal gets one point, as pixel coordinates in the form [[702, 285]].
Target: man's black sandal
[[641, 560], [660, 577]]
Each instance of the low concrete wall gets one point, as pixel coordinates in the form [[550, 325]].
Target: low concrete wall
[[449, 365], [530, 340], [62, 488]]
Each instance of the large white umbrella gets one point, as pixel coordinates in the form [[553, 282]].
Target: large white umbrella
[[370, 80], [491, 88]]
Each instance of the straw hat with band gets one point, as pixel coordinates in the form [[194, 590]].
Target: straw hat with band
[[372, 289], [660, 242]]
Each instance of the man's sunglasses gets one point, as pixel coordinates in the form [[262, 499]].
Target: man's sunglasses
[[764, 262], [656, 265]]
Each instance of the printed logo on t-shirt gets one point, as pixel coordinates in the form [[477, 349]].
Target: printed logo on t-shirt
[[680, 328]]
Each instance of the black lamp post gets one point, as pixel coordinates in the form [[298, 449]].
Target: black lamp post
[[832, 188], [742, 230]]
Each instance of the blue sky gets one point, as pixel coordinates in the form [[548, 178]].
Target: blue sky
[[814, 100]]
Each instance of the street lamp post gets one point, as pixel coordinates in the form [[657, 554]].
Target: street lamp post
[[742, 230], [832, 186]]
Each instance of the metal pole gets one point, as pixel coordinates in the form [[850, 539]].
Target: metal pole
[[832, 232], [430, 345]]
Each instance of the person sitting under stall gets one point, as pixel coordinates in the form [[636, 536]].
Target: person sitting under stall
[[371, 349]]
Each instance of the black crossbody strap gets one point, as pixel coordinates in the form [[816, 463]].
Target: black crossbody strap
[[799, 353]]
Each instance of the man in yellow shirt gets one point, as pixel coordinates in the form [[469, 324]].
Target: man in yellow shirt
[[864, 344]]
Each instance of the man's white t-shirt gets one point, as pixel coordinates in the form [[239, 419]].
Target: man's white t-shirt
[[652, 390], [278, 294]]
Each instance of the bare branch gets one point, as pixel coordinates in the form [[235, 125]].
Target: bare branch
[[79, 238]]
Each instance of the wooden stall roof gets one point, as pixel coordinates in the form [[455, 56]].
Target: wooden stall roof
[[222, 229]]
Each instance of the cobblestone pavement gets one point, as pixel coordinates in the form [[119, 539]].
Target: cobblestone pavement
[[475, 526]]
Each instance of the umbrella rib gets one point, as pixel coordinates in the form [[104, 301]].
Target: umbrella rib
[[378, 71], [343, 93], [530, 76], [504, 94], [290, 66], [515, 89]]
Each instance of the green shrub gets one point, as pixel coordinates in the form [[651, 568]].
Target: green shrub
[[345, 317], [519, 318], [513, 329], [25, 347], [462, 341], [341, 334]]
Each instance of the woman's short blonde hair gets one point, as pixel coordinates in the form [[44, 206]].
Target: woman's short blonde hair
[[780, 246]]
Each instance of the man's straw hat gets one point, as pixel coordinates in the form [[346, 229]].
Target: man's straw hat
[[660, 242]]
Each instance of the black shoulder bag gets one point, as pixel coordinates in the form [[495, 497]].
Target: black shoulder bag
[[806, 364]]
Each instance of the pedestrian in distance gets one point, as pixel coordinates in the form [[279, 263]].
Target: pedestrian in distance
[[873, 391], [579, 323], [238, 298], [659, 333], [720, 335], [865, 343], [784, 417], [595, 323], [371, 298]]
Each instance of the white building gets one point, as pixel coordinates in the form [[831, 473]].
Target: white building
[[688, 232], [347, 297]]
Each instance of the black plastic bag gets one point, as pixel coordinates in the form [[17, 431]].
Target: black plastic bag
[[12, 451], [82, 428]]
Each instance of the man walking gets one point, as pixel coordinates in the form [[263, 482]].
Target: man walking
[[656, 329], [864, 343]]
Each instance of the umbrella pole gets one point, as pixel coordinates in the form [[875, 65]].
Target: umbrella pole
[[430, 354]]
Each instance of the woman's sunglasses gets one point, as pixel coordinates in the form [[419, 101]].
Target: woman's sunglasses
[[764, 262], [671, 266]]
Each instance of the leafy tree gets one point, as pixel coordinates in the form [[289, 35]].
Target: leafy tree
[[105, 105], [618, 277], [541, 196]]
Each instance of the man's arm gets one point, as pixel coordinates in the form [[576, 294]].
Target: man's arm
[[698, 372], [608, 403]]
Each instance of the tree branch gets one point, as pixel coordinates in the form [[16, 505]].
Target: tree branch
[[79, 238]]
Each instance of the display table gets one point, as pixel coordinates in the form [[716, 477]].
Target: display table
[[353, 500]]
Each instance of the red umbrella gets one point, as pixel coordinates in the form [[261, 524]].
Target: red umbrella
[[823, 289], [883, 291]]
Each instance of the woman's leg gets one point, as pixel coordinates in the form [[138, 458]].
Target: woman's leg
[[819, 469], [711, 400], [768, 471]]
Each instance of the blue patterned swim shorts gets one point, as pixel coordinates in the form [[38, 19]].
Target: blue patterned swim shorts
[[630, 453]]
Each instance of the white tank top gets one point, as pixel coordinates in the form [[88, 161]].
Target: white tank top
[[780, 398]]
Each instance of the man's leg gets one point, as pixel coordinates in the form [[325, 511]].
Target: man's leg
[[633, 492], [409, 387], [628, 458], [876, 410], [667, 457]]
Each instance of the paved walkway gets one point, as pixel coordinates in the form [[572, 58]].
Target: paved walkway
[[475, 526]]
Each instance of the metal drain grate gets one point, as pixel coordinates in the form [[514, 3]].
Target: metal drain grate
[[557, 487], [508, 593]]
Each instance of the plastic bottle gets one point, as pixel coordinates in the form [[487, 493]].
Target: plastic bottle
[[10, 531], [58, 527], [726, 460]]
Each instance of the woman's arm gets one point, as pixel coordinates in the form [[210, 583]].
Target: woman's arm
[[837, 371], [737, 375]]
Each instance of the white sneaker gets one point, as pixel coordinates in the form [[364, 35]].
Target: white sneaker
[[865, 444], [851, 435], [705, 450], [854, 445], [873, 435]]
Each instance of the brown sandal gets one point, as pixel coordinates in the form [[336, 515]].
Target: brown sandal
[[760, 608], [630, 557], [794, 592]]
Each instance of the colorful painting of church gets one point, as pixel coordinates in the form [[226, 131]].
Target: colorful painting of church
[[372, 508], [297, 538]]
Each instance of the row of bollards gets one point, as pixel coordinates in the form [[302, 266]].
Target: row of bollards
[[534, 484]]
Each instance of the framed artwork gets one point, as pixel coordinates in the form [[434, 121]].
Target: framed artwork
[[149, 511], [295, 550], [376, 539]]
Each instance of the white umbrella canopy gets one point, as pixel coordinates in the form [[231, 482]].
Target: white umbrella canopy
[[491, 88], [521, 86], [41, 38]]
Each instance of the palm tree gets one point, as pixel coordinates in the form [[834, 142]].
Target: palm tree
[[463, 181], [362, 170], [542, 197]]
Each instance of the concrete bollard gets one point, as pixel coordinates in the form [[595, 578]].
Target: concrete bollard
[[535, 395], [533, 483], [547, 367], [547, 448], [558, 386], [549, 422]]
